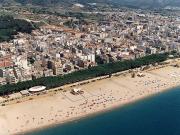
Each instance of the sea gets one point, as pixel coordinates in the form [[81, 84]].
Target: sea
[[156, 115]]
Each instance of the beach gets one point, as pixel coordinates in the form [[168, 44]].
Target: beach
[[62, 106]]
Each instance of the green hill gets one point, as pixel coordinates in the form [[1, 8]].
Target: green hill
[[10, 26], [68, 3]]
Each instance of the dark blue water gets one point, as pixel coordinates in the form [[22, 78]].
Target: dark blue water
[[158, 115]]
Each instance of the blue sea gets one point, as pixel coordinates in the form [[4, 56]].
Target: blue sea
[[157, 115]]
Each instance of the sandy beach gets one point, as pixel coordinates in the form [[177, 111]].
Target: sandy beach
[[98, 96]]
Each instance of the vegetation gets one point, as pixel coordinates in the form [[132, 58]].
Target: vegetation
[[104, 69], [58, 2], [10, 26], [150, 4], [80, 15]]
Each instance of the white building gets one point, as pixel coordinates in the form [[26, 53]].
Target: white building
[[89, 57]]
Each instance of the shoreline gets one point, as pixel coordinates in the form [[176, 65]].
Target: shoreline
[[99, 97], [94, 114]]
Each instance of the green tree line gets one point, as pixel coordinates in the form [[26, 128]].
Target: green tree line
[[100, 70]]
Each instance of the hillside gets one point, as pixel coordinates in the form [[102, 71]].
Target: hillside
[[128, 3], [148, 3], [10, 26], [51, 2]]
